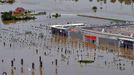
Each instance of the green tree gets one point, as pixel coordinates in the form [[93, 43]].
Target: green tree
[[113, 1], [94, 8]]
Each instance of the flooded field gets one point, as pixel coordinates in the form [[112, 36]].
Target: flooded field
[[124, 7], [29, 48]]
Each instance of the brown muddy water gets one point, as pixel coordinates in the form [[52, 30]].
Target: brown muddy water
[[29, 48]]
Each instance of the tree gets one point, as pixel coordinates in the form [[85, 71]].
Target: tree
[[113, 1], [94, 8], [11, 1], [76, 0], [90, 0], [56, 15], [121, 1]]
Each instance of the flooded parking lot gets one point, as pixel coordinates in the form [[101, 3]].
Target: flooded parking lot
[[29, 48], [59, 55]]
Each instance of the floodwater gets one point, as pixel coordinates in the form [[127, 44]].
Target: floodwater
[[28, 40]]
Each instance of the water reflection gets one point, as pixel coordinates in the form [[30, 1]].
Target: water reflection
[[8, 22]]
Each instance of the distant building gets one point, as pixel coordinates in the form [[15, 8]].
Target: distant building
[[18, 11], [67, 29]]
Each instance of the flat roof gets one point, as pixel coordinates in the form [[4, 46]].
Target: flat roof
[[126, 30], [126, 39], [64, 25]]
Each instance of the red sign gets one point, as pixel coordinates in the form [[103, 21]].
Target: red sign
[[90, 37]]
